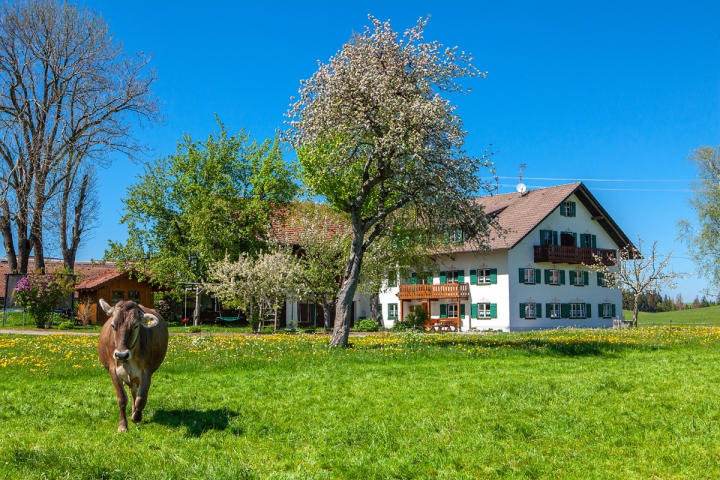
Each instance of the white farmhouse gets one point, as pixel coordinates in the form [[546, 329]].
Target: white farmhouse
[[533, 276]]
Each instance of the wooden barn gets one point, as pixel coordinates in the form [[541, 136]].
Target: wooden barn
[[112, 286]]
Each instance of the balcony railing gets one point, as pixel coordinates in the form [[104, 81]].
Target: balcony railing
[[432, 292], [565, 254]]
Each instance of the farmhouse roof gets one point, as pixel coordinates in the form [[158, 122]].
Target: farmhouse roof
[[518, 214], [86, 270]]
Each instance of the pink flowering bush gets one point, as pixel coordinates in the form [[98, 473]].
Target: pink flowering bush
[[40, 294]]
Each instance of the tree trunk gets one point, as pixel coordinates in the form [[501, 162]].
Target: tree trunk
[[376, 310], [326, 312], [343, 307], [635, 310], [6, 230], [196, 313]]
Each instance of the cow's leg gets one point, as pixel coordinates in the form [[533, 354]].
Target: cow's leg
[[140, 399], [122, 399], [134, 384]]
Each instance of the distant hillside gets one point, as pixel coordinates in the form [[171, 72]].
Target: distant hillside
[[695, 316]]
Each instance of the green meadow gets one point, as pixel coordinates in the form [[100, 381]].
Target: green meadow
[[635, 403], [709, 316]]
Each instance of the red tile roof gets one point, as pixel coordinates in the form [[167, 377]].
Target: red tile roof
[[87, 271]]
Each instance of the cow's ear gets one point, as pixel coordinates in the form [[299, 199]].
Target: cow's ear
[[107, 308], [150, 320]]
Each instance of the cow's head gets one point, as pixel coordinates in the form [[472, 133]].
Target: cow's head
[[126, 319]]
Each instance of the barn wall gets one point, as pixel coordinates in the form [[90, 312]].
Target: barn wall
[[124, 285]]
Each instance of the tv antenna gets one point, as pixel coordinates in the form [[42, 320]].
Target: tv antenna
[[521, 186]]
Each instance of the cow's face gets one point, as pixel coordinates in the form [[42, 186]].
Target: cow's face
[[126, 320]]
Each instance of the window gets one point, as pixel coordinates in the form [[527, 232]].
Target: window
[[548, 237], [117, 295], [452, 276], [577, 310], [392, 278], [483, 311], [134, 296], [579, 278], [456, 236], [553, 277], [608, 310], [452, 311], [529, 275], [554, 310], [567, 209], [483, 276], [602, 280], [392, 311], [530, 310], [587, 240], [420, 280]]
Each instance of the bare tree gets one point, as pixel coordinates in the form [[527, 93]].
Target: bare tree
[[638, 273], [68, 93]]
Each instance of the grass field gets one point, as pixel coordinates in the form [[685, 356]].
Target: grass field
[[709, 316], [638, 403]]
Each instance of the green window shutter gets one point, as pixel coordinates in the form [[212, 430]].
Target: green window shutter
[[443, 277], [493, 276], [555, 238], [473, 277], [574, 234], [473, 310], [388, 310], [562, 209], [462, 310], [461, 276], [443, 310], [547, 277], [493, 310], [600, 310], [572, 277], [548, 311], [588, 310], [599, 278], [612, 308], [586, 278], [522, 310], [413, 278], [572, 204], [562, 277], [593, 241], [543, 233], [538, 278], [521, 272], [538, 310], [582, 239], [564, 310], [430, 279]]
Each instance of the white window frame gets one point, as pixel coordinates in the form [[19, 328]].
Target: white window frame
[[555, 311], [588, 239], [530, 311], [451, 276], [578, 310], [604, 280], [483, 276], [452, 310], [567, 206], [579, 278], [554, 276], [483, 310], [607, 310], [391, 307], [530, 276], [457, 236]]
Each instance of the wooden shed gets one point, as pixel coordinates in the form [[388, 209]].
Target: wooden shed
[[112, 286]]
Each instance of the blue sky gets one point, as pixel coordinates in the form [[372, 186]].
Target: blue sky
[[612, 91]]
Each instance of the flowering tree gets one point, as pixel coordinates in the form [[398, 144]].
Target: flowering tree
[[260, 284], [638, 273], [375, 138], [40, 294]]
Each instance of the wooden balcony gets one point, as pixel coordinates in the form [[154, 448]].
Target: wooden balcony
[[574, 255], [434, 292]]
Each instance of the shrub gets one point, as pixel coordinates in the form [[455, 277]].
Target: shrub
[[417, 318], [66, 325], [400, 326], [366, 325], [40, 294], [195, 329]]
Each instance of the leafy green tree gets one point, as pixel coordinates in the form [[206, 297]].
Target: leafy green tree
[[375, 138], [209, 200], [703, 236]]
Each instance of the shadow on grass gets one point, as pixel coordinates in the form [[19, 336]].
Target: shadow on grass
[[197, 422]]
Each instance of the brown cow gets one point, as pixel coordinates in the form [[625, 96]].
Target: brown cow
[[132, 346]]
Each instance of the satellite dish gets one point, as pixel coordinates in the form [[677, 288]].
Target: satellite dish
[[521, 187]]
